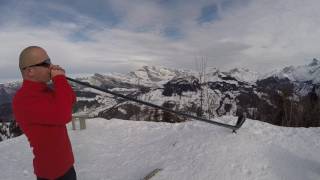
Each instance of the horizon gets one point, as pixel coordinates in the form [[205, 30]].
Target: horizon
[[84, 75]]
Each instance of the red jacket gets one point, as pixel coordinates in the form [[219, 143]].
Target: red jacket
[[42, 114]]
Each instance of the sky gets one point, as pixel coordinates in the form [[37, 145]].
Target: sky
[[105, 36]]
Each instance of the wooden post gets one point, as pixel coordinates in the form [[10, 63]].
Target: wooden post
[[82, 123], [74, 123], [79, 119]]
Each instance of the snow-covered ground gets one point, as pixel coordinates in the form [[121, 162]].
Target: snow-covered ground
[[129, 150]]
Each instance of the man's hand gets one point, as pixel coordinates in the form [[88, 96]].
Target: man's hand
[[56, 70]]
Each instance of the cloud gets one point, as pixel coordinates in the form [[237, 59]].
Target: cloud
[[119, 36]]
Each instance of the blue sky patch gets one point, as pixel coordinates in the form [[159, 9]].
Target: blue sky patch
[[208, 14], [172, 33]]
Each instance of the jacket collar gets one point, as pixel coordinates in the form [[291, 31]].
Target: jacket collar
[[35, 86]]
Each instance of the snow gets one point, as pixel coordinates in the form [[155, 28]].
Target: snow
[[124, 89], [85, 99], [129, 150], [93, 90], [310, 72], [123, 111], [244, 75], [152, 75]]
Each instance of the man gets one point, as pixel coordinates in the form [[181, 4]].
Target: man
[[42, 113]]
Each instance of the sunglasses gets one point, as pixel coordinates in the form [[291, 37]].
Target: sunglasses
[[46, 63]]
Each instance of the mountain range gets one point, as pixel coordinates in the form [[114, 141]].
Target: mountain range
[[285, 97]]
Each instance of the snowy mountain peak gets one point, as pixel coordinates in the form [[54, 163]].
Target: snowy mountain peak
[[153, 74], [237, 70], [213, 69], [243, 74], [315, 62], [304, 73], [97, 75], [288, 69]]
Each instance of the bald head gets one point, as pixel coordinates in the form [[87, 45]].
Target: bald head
[[32, 55]]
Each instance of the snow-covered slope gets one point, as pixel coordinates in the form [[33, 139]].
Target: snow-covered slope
[[129, 150]]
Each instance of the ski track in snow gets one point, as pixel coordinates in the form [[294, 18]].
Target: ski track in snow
[[129, 150]]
